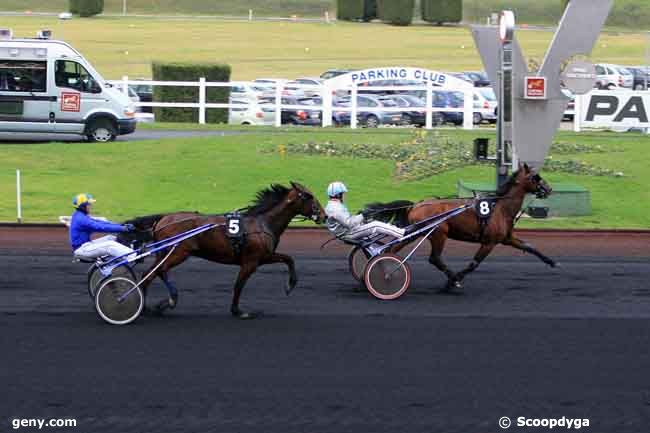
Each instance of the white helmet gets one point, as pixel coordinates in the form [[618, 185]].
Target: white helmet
[[336, 188]]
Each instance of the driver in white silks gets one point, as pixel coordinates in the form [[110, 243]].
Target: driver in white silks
[[352, 228]]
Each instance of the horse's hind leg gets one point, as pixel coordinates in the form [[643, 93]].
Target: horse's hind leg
[[480, 255], [526, 247], [162, 271], [437, 241], [245, 272]]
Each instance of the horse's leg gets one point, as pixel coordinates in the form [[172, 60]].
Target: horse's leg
[[287, 260], [480, 255], [526, 247], [437, 241], [175, 259], [246, 270]]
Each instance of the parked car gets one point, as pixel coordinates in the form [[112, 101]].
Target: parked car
[[641, 76], [367, 88], [485, 105], [479, 79], [250, 112], [332, 73], [303, 92], [613, 76], [449, 99], [569, 113], [301, 116], [269, 84], [417, 118], [370, 119], [145, 93], [250, 92]]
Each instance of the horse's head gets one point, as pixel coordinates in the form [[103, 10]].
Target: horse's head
[[306, 204], [532, 182]]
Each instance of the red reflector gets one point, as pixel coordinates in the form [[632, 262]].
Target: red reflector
[[260, 115], [302, 115], [486, 104]]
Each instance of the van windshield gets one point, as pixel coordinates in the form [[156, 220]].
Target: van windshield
[[72, 75], [23, 76]]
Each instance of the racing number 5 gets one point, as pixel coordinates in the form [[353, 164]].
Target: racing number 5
[[233, 226]]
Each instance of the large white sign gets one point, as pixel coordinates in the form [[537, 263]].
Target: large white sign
[[611, 109], [438, 79]]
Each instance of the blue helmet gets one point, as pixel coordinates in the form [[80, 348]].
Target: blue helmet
[[336, 188]]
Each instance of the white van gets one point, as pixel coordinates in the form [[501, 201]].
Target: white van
[[47, 86]]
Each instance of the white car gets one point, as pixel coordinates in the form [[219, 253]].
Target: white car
[[250, 112], [269, 84], [250, 92], [485, 105], [305, 92], [613, 76]]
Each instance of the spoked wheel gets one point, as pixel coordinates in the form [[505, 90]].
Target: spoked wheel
[[357, 261], [95, 277], [386, 277], [118, 301]]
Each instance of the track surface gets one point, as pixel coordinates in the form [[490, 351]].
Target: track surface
[[521, 340]]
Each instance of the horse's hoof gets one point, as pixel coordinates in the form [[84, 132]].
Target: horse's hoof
[[554, 264], [289, 287], [249, 315]]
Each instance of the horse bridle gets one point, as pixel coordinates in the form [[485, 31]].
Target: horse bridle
[[314, 209], [542, 191]]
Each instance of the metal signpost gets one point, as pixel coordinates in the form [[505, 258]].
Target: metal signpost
[[532, 105]]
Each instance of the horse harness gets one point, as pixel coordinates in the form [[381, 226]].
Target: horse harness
[[237, 234], [484, 208]]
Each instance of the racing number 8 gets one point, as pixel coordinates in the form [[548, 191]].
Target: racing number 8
[[484, 208], [233, 226]]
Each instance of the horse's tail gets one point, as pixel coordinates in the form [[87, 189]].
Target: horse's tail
[[143, 230], [395, 212]]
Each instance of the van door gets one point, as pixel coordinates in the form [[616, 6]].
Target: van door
[[25, 103], [78, 94]]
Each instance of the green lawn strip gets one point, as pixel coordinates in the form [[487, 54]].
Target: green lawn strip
[[216, 174]]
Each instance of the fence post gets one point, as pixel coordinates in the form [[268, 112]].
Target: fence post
[[250, 15], [202, 100], [278, 105], [468, 108], [429, 105], [125, 85], [353, 105], [326, 92], [19, 208], [327, 17], [577, 108]]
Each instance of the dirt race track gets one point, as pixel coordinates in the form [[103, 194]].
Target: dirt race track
[[521, 340]]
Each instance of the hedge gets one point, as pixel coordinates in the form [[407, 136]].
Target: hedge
[[356, 10], [442, 11], [397, 12], [86, 8], [190, 72]]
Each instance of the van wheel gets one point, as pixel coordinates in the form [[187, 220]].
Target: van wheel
[[101, 131]]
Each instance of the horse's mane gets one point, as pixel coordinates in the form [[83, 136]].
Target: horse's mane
[[507, 186], [266, 200]]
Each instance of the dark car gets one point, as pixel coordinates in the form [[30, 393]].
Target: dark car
[[479, 79], [641, 76], [145, 92], [369, 87], [417, 118], [448, 99], [332, 73], [297, 116], [370, 119]]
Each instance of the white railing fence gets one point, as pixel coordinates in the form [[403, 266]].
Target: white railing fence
[[328, 106]]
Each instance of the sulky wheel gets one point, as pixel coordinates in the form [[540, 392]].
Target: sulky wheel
[[118, 301], [95, 277], [357, 261], [386, 277]]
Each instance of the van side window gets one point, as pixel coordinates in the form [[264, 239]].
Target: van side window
[[72, 75], [23, 76]]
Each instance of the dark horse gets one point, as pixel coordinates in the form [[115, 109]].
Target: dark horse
[[467, 226], [263, 223]]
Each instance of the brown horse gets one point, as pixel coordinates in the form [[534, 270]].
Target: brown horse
[[467, 226], [262, 224]]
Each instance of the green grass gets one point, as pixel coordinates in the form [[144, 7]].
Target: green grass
[[282, 8], [625, 13], [119, 47], [223, 173]]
